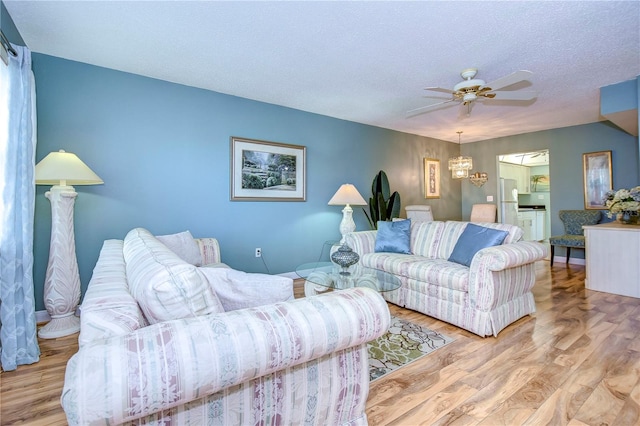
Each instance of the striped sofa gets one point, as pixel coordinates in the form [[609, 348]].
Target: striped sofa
[[296, 362], [484, 298]]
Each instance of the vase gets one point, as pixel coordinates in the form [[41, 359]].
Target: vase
[[345, 257], [629, 218]]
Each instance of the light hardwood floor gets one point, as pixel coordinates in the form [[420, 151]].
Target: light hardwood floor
[[575, 362]]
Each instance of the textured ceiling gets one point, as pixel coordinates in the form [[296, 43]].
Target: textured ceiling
[[366, 62]]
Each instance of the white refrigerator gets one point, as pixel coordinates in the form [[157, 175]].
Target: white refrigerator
[[509, 201]]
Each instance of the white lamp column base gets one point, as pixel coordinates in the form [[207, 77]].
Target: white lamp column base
[[62, 282]]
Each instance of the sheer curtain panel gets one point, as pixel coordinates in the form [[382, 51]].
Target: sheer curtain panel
[[18, 341]]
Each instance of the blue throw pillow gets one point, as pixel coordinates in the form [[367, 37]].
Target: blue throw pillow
[[394, 237], [475, 238]]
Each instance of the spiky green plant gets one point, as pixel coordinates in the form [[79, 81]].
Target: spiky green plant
[[382, 204]]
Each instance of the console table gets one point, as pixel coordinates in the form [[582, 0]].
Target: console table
[[612, 252]]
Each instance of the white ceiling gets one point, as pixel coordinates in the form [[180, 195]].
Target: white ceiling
[[366, 62]]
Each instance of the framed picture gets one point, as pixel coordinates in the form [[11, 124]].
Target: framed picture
[[431, 178], [267, 171], [540, 183], [597, 178]]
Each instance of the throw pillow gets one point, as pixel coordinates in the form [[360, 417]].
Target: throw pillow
[[473, 239], [184, 245], [394, 237], [165, 286], [239, 290]]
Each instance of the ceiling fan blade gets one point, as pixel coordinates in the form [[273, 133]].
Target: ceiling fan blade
[[515, 95], [440, 89], [510, 79], [427, 108]]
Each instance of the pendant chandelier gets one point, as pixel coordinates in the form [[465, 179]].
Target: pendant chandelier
[[460, 165]]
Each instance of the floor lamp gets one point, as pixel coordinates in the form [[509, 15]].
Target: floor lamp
[[62, 283]]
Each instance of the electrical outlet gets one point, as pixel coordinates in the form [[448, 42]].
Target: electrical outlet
[[489, 198], [258, 252]]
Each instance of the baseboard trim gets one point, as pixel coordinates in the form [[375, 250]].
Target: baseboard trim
[[291, 275], [557, 260], [42, 316]]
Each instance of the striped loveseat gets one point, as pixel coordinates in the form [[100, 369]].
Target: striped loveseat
[[292, 362], [484, 298]]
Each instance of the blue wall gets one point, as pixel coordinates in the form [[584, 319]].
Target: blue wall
[[566, 146], [619, 97], [163, 151]]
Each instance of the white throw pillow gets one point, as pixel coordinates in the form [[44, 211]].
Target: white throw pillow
[[165, 286], [239, 290], [184, 245]]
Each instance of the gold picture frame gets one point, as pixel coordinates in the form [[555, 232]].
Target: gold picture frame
[[267, 171], [431, 178], [597, 178]]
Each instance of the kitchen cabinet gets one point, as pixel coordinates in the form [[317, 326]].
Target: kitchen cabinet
[[532, 223], [538, 235], [521, 174], [525, 221]]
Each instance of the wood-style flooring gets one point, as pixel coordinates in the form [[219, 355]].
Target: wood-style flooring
[[576, 361]]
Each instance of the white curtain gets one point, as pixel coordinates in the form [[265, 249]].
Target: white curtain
[[19, 344]]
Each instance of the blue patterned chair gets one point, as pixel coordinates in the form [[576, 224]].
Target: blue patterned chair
[[573, 221]]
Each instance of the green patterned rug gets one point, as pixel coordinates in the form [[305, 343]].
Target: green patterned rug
[[404, 343]]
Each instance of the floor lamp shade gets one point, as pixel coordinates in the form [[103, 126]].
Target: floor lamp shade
[[346, 195], [64, 168], [62, 282]]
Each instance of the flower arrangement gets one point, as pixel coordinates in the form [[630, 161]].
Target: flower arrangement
[[622, 201]]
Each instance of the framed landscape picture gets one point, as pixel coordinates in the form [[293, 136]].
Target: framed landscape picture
[[267, 171], [540, 183], [597, 178], [431, 178]]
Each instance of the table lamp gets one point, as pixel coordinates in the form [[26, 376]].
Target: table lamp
[[346, 195], [62, 282]]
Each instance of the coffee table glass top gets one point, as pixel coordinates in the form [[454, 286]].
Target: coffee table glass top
[[332, 276]]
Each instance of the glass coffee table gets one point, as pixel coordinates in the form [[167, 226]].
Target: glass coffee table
[[321, 277]]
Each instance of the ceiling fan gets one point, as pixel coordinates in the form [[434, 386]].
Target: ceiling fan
[[473, 89]]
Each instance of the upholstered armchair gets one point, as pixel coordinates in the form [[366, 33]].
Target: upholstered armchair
[[573, 221], [483, 213], [419, 213]]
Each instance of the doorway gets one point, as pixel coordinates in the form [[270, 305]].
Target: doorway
[[530, 171]]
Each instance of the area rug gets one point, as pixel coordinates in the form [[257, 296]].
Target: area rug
[[404, 343]]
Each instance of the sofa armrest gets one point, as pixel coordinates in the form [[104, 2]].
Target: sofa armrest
[[169, 364], [362, 242], [209, 249], [499, 258], [501, 274]]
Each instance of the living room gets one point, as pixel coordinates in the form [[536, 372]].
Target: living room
[[163, 151]]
